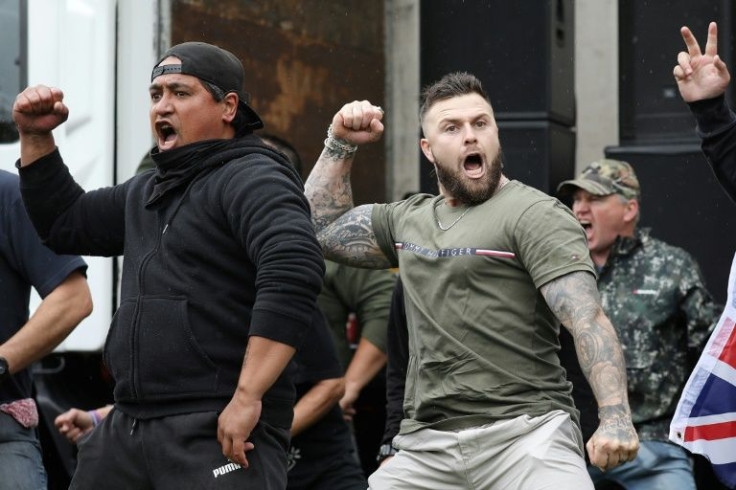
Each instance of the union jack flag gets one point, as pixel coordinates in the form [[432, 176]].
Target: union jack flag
[[705, 419]]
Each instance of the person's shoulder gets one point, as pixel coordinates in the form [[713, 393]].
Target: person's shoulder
[[8, 180], [251, 147], [521, 200], [248, 156], [251, 161], [406, 208], [253, 173], [9, 188], [419, 199], [671, 257], [141, 177], [516, 200], [660, 248], [414, 202], [522, 193]]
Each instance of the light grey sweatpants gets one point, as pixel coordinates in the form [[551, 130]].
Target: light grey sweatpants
[[524, 453]]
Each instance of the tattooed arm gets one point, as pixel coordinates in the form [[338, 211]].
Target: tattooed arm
[[350, 240], [574, 299], [345, 232]]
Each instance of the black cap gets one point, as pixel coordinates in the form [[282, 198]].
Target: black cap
[[214, 65]]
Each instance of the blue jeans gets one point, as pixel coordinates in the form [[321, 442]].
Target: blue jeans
[[21, 464], [659, 465]]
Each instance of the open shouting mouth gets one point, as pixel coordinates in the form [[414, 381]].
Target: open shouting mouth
[[473, 166], [166, 135]]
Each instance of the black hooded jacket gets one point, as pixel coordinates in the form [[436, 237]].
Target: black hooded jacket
[[717, 128], [212, 254]]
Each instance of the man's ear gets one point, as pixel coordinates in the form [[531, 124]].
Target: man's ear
[[632, 210], [230, 107], [426, 149]]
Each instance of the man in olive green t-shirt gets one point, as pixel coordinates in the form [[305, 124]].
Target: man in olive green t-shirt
[[485, 267], [490, 268]]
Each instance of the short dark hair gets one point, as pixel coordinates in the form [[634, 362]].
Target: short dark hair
[[240, 120], [451, 85]]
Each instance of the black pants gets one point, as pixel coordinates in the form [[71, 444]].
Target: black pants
[[176, 452], [326, 468]]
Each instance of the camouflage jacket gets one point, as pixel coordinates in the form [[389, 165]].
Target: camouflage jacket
[[655, 297]]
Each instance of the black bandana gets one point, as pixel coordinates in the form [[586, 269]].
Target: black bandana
[[179, 166]]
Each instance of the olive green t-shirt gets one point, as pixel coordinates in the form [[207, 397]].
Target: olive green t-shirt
[[482, 341], [365, 292]]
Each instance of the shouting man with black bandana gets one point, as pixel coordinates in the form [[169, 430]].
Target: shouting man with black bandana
[[220, 279]]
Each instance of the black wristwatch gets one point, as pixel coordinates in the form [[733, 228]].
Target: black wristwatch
[[385, 451], [4, 370]]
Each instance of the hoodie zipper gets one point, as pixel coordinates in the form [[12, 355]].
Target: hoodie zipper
[[137, 314], [144, 263]]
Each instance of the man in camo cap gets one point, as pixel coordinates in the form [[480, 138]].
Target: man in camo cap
[[656, 299]]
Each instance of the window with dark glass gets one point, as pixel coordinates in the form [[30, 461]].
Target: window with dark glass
[[11, 63]]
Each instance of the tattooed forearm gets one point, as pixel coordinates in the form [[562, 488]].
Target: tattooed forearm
[[328, 188], [350, 240], [345, 233], [574, 299]]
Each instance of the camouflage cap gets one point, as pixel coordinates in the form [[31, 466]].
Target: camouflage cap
[[603, 178]]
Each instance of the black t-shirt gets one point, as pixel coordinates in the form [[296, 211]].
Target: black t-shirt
[[316, 360]]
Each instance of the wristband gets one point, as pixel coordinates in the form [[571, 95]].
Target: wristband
[[95, 417], [339, 145], [385, 451]]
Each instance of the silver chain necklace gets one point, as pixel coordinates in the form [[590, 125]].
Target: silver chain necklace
[[437, 217]]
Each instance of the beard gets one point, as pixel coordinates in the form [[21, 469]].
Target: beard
[[468, 191]]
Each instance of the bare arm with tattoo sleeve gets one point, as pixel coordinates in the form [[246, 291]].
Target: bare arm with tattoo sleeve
[[344, 231], [350, 240], [574, 299]]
